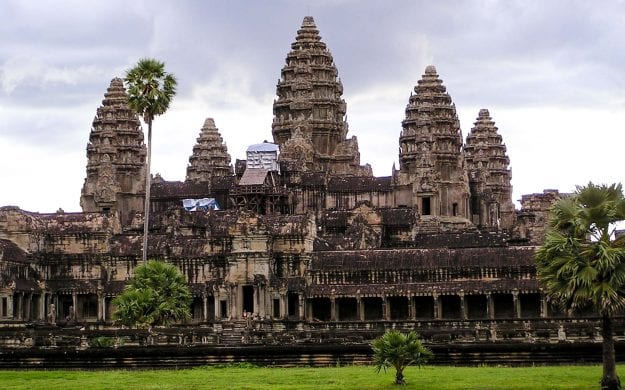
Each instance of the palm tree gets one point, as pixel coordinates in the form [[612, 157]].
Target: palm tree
[[150, 91], [158, 294], [398, 350], [582, 263]]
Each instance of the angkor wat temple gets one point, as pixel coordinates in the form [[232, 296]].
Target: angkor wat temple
[[304, 241]]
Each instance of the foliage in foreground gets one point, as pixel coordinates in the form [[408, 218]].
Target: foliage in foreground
[[157, 295], [307, 378], [582, 263], [398, 350]]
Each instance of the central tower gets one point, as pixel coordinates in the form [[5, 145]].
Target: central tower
[[309, 114]]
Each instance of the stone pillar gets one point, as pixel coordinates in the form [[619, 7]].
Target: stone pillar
[[386, 309], [283, 304], [544, 306], [309, 310], [463, 306], [217, 307], [204, 306], [301, 307], [490, 306], [101, 306], [412, 308], [333, 309], [20, 305], [42, 307], [516, 303], [438, 307], [255, 299], [10, 306], [75, 304], [360, 308], [237, 309]]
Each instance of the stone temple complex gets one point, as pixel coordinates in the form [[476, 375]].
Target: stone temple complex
[[305, 244]]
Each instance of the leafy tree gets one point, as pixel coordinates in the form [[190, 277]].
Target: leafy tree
[[398, 350], [150, 91], [582, 263], [157, 295]]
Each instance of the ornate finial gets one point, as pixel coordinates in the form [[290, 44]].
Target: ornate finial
[[209, 122], [430, 69], [308, 22], [484, 113]]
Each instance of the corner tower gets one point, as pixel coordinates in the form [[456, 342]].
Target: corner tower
[[430, 153], [210, 156], [115, 158], [489, 175], [309, 113]]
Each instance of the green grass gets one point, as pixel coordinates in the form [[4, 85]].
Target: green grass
[[349, 377]]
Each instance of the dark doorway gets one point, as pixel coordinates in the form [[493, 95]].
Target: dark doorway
[[424, 308], [451, 306], [347, 309], [248, 298], [476, 306], [276, 308], [321, 309], [530, 305], [504, 305], [425, 206], [399, 308], [223, 309], [373, 308], [293, 304]]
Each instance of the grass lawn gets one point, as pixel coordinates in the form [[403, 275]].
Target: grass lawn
[[348, 377]]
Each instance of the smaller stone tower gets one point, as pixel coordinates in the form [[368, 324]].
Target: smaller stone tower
[[210, 156], [489, 175], [430, 154], [116, 158]]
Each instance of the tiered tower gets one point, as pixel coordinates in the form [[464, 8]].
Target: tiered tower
[[309, 114], [116, 158], [210, 156], [489, 174], [430, 155]]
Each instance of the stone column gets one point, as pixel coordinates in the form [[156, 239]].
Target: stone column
[[301, 306], [283, 304], [42, 307], [516, 303], [333, 309], [438, 307], [237, 307], [75, 304], [217, 307], [20, 305], [204, 306], [255, 299], [490, 306], [544, 306], [360, 308], [101, 306], [463, 306], [10, 306], [412, 308]]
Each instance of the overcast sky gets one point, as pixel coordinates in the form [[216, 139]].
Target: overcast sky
[[552, 74]]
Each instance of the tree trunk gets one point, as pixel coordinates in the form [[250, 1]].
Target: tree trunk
[[610, 380], [399, 377], [146, 202]]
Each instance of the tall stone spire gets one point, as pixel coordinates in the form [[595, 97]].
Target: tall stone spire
[[489, 174], [115, 157], [430, 156], [210, 156], [310, 111]]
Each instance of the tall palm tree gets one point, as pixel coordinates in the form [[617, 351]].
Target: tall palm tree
[[398, 350], [582, 263], [158, 294], [150, 91]]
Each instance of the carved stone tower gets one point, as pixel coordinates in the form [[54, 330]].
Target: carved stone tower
[[430, 155], [210, 156], [310, 110], [489, 175], [116, 158]]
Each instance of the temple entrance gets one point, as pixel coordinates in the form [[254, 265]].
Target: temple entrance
[[321, 309], [248, 298], [530, 305], [87, 306], [451, 308], [399, 308], [504, 305], [347, 308], [293, 304], [476, 306], [373, 308], [424, 308]]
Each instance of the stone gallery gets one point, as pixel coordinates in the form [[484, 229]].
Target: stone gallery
[[299, 240]]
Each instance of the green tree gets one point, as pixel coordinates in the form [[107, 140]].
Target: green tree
[[398, 350], [150, 91], [158, 294], [582, 263]]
